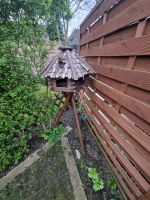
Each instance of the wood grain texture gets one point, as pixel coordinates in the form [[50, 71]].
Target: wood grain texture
[[135, 12], [119, 171], [138, 121], [140, 79], [131, 61], [139, 108], [111, 157], [118, 99], [130, 47], [96, 13], [146, 196], [137, 134], [129, 150], [129, 167], [122, 173], [116, 171]]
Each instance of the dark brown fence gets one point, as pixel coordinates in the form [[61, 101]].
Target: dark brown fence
[[115, 41]]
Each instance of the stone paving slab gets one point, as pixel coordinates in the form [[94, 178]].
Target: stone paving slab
[[79, 192]]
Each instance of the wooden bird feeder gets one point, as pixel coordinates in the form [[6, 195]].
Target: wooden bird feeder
[[68, 73]]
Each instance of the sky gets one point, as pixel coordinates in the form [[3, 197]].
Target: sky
[[79, 17]]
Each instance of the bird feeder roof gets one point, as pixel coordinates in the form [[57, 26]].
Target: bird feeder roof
[[67, 64]]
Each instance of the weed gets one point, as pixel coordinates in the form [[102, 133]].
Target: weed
[[112, 184], [84, 116], [56, 133], [98, 183], [53, 134]]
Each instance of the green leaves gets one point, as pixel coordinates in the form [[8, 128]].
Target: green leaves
[[92, 173], [52, 134], [21, 109], [55, 133], [24, 107], [112, 184], [98, 183], [23, 112]]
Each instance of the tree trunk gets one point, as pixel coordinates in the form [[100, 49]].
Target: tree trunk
[[66, 32], [66, 26], [58, 33]]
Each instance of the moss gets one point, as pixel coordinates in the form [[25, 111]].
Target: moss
[[46, 179]]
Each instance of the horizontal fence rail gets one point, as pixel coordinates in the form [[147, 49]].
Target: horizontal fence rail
[[115, 41]]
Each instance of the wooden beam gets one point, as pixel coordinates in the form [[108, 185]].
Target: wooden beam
[[130, 169], [129, 150], [69, 96], [78, 124], [139, 108], [140, 79], [96, 12], [122, 173], [133, 13], [132, 59], [131, 47], [142, 140]]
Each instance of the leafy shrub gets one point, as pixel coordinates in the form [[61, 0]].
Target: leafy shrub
[[24, 106]]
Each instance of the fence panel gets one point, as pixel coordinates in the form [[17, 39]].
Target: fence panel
[[115, 41]]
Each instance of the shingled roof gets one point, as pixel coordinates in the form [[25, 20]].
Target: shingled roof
[[67, 64]]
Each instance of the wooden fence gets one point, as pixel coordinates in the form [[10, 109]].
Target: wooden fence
[[115, 41]]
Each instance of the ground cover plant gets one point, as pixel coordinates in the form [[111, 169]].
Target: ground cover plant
[[97, 181]]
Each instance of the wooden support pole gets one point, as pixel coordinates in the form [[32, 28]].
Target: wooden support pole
[[77, 123], [70, 99], [69, 96]]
